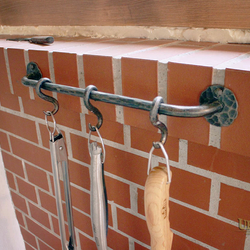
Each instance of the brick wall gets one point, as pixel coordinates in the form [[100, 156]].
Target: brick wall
[[210, 188]]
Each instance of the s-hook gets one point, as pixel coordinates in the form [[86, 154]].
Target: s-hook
[[158, 124], [164, 133], [46, 97], [91, 108]]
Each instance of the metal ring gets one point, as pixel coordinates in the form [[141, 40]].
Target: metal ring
[[46, 97], [91, 108], [103, 147], [158, 124], [166, 158], [51, 132]]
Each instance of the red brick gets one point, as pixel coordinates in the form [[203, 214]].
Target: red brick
[[126, 165], [9, 101], [140, 201], [41, 58], [28, 247], [143, 139], [18, 71], [98, 72], [82, 222], [19, 202], [214, 160], [64, 117], [139, 247], [185, 89], [43, 246], [37, 106], [37, 177], [118, 192], [79, 175], [133, 226], [184, 244], [31, 153], [19, 217], [4, 143], [234, 138], [112, 131], [117, 241], [45, 135], [65, 68], [48, 202], [204, 228], [80, 199], [190, 188], [26, 189], [43, 234], [28, 237], [80, 148], [26, 128], [139, 75], [234, 203], [4, 87], [13, 164], [55, 223], [11, 180], [110, 219], [86, 243], [39, 215]]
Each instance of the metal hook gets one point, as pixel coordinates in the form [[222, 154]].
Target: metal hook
[[46, 97], [158, 124], [91, 108]]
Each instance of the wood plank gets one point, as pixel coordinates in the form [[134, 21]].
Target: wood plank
[[178, 13]]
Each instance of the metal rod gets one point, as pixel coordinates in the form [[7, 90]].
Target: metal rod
[[164, 109]]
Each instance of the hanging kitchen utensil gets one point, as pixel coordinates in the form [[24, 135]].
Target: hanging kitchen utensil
[[156, 196], [59, 160], [98, 198]]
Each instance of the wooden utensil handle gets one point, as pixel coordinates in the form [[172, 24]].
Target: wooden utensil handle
[[156, 200]]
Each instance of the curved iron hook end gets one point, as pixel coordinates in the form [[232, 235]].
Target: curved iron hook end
[[91, 108], [46, 97], [158, 124]]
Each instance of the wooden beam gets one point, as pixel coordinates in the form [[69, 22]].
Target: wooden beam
[[168, 13]]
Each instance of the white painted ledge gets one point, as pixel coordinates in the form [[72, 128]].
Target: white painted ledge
[[176, 33]]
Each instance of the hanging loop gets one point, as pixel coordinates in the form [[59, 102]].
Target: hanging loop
[[54, 128], [166, 158], [91, 108], [158, 124], [46, 97], [103, 147]]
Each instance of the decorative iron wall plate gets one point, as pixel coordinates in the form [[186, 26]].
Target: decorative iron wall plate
[[229, 112]]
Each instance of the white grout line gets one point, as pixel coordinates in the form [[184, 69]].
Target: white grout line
[[214, 197], [162, 85], [8, 71], [131, 243], [214, 136], [247, 241], [133, 198], [117, 76], [114, 215]]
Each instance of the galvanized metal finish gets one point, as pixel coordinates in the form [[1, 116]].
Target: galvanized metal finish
[[209, 104], [230, 105], [59, 159], [98, 198]]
